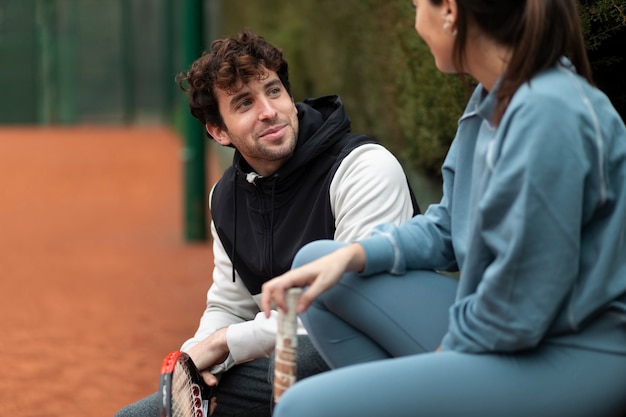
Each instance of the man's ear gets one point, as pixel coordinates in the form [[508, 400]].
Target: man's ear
[[218, 134]]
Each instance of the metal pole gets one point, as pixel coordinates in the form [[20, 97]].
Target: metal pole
[[67, 63], [46, 24], [169, 73], [127, 46], [194, 151]]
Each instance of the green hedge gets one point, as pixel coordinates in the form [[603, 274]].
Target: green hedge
[[368, 51]]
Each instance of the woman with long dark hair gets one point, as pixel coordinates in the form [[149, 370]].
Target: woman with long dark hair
[[533, 215]]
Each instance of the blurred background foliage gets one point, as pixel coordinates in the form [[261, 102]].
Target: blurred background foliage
[[368, 51], [114, 61]]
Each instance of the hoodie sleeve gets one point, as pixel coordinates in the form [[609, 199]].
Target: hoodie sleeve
[[250, 335], [227, 302], [369, 188]]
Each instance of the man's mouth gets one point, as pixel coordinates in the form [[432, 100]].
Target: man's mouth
[[273, 133]]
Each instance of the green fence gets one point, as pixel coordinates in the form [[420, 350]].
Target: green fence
[[108, 62], [91, 61]]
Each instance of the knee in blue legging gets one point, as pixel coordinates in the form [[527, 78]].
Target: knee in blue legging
[[316, 249]]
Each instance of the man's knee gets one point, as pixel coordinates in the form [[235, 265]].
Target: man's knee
[[147, 407]]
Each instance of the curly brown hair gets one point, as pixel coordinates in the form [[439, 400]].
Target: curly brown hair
[[228, 63]]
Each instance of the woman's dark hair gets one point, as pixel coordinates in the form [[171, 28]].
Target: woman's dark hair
[[539, 32], [228, 63]]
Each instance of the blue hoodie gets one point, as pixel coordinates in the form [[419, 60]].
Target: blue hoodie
[[533, 214]]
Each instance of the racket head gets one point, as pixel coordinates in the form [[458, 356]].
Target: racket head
[[181, 388]]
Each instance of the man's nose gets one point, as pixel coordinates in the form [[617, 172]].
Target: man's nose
[[267, 110]]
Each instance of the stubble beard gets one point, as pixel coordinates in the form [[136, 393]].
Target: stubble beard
[[280, 152]]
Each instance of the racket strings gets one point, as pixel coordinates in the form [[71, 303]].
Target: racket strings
[[186, 394]]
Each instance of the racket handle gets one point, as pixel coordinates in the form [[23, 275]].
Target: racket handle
[[286, 345]]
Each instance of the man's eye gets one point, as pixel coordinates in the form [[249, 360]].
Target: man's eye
[[274, 91], [244, 103]]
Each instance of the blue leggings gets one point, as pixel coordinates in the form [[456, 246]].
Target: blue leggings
[[378, 333]]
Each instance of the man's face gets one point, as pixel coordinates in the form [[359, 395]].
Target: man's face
[[261, 122]]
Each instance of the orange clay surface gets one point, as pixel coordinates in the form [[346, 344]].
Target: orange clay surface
[[97, 282]]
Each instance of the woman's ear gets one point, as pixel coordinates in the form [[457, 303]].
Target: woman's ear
[[449, 15], [218, 134], [448, 9], [450, 6]]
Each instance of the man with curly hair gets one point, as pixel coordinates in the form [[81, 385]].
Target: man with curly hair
[[298, 174]]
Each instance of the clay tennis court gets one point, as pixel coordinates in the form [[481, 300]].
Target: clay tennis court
[[97, 282]]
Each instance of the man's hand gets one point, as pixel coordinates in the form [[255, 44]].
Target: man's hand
[[210, 352]]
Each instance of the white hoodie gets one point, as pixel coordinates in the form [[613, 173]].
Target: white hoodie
[[368, 188]]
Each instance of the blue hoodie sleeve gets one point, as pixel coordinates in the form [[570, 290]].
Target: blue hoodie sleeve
[[422, 242]]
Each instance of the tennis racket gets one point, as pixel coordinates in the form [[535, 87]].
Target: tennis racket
[[286, 345], [182, 390]]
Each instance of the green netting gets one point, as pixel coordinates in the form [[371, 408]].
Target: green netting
[[88, 61]]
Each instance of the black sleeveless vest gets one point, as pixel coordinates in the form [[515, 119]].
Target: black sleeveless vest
[[263, 224]]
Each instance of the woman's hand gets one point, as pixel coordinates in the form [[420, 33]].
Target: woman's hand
[[319, 275]]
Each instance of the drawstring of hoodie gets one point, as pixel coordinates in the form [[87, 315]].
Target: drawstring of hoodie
[[234, 223], [272, 227]]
